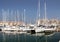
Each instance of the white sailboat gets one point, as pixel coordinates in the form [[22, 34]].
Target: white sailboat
[[25, 28], [8, 28], [47, 26], [39, 28], [5, 18]]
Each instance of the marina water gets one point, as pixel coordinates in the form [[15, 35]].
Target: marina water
[[27, 37]]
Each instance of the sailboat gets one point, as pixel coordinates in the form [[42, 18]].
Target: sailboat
[[8, 29], [25, 28], [48, 27], [45, 27], [39, 27]]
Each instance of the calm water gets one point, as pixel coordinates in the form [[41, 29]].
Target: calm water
[[39, 37]]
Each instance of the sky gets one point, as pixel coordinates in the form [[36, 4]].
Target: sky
[[31, 7]]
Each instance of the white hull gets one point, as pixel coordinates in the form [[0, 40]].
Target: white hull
[[42, 29], [39, 29], [50, 29], [26, 28], [12, 29], [15, 32]]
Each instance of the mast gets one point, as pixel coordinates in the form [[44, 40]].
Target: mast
[[18, 22], [7, 15], [3, 15], [17, 16], [39, 9], [45, 12], [45, 9], [11, 15], [24, 15], [38, 12]]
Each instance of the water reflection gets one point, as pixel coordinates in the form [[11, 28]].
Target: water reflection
[[38, 37], [3, 37], [49, 34]]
